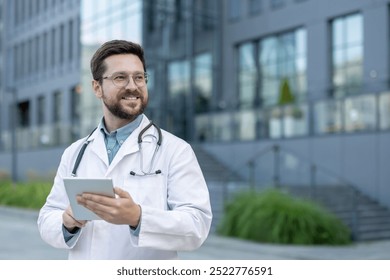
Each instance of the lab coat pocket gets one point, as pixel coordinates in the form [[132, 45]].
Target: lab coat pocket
[[148, 190]]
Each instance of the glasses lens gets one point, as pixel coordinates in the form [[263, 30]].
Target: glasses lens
[[139, 79], [122, 80]]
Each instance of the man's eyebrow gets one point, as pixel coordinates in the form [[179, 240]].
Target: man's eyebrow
[[120, 72], [129, 73]]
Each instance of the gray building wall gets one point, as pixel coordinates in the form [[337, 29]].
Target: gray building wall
[[26, 22], [359, 158]]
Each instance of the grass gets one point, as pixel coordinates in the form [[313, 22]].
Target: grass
[[31, 195], [275, 217]]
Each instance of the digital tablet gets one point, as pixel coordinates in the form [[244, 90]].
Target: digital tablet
[[75, 186]]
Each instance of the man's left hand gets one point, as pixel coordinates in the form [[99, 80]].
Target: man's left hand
[[119, 210]]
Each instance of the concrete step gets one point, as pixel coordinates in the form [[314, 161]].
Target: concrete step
[[374, 235], [373, 220]]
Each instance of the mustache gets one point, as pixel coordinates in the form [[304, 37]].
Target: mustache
[[127, 93]]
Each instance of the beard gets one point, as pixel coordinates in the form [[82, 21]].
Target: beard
[[120, 111]]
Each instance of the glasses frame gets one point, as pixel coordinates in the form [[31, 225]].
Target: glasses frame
[[146, 75]]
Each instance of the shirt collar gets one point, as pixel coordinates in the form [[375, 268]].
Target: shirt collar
[[123, 132]]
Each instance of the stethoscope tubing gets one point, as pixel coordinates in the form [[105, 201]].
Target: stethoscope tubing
[[158, 144]]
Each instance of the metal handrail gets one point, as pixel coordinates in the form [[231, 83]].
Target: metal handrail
[[314, 168]]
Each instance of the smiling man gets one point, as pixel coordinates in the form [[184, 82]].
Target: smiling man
[[162, 202]]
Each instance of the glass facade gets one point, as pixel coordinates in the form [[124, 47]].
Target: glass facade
[[108, 20], [39, 72], [203, 87], [258, 108], [283, 57], [347, 55], [178, 97], [203, 82], [268, 69], [247, 75]]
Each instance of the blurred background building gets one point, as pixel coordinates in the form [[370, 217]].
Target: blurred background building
[[278, 92]]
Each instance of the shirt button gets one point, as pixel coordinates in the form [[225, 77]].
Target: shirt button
[[121, 142], [109, 151]]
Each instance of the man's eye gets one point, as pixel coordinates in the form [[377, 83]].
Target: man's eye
[[119, 78], [139, 78]]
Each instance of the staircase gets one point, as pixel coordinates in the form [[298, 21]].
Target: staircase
[[372, 221]]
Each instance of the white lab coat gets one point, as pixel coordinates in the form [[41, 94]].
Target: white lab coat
[[176, 212]]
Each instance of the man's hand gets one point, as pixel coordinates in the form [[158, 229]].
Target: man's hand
[[119, 210], [69, 222]]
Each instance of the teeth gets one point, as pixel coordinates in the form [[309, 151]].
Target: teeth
[[130, 98]]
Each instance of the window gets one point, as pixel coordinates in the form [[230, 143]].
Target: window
[[150, 15], [203, 85], [384, 111], [30, 56], [255, 6], [178, 11], [328, 117], [16, 61], [360, 113], [203, 82], [38, 58], [44, 56], [234, 9], [23, 114], [347, 55], [272, 72], [276, 4], [282, 60], [246, 75], [75, 114], [70, 40], [41, 110], [207, 14], [61, 44], [178, 86], [75, 100], [57, 107], [53, 47]]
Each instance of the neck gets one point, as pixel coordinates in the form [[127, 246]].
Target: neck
[[113, 124]]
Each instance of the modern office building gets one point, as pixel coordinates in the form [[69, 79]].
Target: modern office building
[[281, 91], [39, 83], [46, 100]]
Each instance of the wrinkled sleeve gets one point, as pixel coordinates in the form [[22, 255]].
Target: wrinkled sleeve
[[50, 216]]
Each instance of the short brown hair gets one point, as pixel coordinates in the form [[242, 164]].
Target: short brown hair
[[110, 48]]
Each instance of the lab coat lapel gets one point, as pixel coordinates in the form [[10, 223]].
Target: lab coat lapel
[[98, 146]]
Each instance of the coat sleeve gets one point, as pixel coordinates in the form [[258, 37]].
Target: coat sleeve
[[50, 215], [186, 223]]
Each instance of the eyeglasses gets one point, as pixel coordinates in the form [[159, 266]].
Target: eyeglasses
[[121, 79]]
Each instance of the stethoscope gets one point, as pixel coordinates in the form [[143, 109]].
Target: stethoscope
[[143, 173]]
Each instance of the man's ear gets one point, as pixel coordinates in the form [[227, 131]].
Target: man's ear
[[97, 89]]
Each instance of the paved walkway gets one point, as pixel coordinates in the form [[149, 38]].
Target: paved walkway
[[21, 241]]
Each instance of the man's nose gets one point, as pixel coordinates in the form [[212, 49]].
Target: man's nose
[[131, 84]]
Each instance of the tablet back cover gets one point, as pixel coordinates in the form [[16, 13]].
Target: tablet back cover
[[75, 186]]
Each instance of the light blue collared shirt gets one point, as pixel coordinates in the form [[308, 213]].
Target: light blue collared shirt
[[115, 139]]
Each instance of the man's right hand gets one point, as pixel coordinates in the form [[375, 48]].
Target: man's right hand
[[69, 222]]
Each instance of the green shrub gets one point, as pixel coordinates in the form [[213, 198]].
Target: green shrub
[[275, 217], [25, 195]]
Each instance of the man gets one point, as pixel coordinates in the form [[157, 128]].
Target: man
[[162, 201]]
